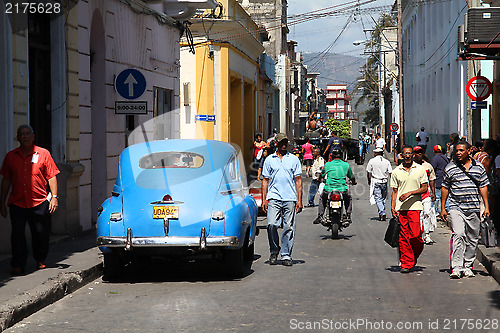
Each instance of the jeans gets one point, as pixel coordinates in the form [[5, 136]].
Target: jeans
[[345, 196], [313, 189], [380, 196], [38, 219], [437, 203], [277, 212]]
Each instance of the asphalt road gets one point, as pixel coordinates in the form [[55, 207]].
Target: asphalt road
[[348, 284]]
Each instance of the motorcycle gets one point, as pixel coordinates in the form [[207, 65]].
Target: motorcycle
[[336, 218]]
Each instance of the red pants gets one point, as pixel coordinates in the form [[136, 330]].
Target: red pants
[[411, 243]]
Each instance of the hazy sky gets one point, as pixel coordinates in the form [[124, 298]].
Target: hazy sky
[[316, 35]]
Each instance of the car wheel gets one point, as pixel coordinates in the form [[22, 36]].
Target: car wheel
[[113, 266], [249, 252], [235, 262]]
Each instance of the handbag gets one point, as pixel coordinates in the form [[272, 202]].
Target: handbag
[[392, 233], [488, 233]]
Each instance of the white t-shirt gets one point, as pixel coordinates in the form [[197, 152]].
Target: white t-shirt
[[380, 169], [380, 143]]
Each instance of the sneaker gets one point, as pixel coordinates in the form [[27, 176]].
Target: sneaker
[[273, 259], [469, 273], [383, 218], [405, 270], [287, 262], [456, 274], [427, 239], [318, 220]]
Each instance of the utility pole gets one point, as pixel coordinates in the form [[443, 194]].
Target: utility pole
[[400, 72]]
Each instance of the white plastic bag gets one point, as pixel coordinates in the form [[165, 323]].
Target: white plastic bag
[[320, 188], [259, 154]]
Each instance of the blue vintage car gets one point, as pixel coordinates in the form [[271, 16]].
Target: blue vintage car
[[175, 198]]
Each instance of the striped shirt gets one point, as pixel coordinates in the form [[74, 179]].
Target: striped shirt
[[464, 194]]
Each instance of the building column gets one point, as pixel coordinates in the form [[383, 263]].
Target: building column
[[204, 92], [7, 113]]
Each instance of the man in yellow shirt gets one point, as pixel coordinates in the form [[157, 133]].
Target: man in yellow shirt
[[408, 181]]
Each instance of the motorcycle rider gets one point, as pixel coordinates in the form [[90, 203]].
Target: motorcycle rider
[[335, 173]]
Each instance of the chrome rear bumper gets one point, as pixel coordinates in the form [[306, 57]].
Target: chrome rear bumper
[[168, 241]]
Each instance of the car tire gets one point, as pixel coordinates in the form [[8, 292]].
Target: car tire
[[235, 262], [113, 266], [249, 252]]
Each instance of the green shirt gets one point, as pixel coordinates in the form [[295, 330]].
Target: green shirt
[[335, 173]]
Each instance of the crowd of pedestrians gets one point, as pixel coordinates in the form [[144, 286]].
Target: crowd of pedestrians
[[461, 188]]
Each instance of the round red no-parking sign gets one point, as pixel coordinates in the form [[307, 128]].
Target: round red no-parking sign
[[479, 88]]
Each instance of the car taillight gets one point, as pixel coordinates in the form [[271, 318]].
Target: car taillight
[[335, 197]]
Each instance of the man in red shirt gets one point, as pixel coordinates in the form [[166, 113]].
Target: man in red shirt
[[28, 170]]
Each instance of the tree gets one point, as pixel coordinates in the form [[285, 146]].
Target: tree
[[342, 127], [368, 86]]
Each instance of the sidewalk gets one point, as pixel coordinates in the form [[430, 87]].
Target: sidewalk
[[71, 264]]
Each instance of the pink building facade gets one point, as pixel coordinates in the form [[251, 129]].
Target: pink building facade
[[337, 102]]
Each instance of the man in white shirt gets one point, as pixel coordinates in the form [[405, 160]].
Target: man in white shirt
[[378, 171], [427, 215], [379, 142]]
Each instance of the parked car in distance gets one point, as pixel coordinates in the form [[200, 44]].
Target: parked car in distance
[[177, 198]]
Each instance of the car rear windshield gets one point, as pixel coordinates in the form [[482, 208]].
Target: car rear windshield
[[171, 159]]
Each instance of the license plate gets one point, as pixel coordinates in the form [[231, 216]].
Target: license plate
[[170, 212], [335, 204]]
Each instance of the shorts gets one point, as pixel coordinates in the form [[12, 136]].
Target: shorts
[[308, 162]]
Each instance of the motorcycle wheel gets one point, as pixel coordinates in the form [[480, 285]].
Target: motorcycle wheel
[[335, 230]]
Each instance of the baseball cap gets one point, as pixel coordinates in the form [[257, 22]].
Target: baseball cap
[[378, 150], [437, 148], [418, 149], [280, 137]]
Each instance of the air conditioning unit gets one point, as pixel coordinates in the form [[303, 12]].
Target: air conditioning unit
[[483, 25]]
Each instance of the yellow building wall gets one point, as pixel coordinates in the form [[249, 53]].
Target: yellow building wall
[[204, 92], [225, 94]]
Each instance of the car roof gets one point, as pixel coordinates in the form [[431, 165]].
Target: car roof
[[216, 154]]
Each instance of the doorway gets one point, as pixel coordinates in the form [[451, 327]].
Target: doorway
[[98, 114], [40, 106]]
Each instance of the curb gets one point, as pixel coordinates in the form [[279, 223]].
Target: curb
[[49, 292], [490, 258]]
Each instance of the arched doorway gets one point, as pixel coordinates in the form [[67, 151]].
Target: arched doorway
[[98, 112]]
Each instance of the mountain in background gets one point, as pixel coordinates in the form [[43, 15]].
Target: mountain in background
[[335, 68]]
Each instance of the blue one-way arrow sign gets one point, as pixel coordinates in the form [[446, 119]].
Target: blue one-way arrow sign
[[478, 105], [130, 84]]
